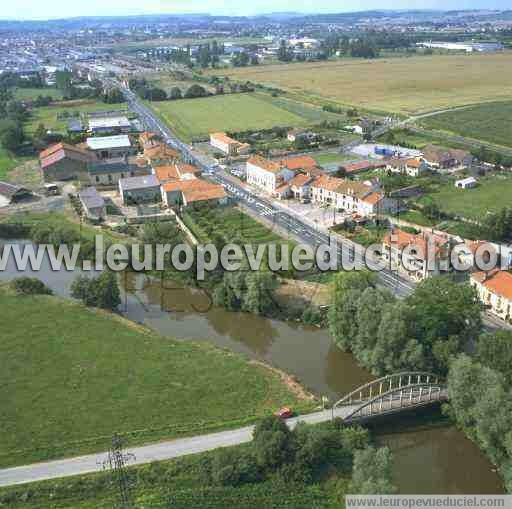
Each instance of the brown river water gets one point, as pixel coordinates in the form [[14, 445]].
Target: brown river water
[[426, 460]]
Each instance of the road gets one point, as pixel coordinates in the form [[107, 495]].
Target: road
[[192, 445]]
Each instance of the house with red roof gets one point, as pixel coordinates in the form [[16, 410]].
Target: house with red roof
[[494, 289], [417, 256]]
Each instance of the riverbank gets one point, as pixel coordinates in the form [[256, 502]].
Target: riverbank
[[73, 376]]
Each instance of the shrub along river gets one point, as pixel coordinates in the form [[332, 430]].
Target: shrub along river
[[431, 459]]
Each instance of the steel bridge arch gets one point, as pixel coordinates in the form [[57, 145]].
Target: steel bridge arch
[[387, 385], [409, 396]]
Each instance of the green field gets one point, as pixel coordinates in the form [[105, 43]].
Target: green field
[[8, 162], [490, 122], [48, 115], [491, 194], [71, 377], [195, 118], [27, 94], [401, 85]]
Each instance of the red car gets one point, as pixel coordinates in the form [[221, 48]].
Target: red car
[[284, 413]]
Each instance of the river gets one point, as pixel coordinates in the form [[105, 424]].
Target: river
[[431, 460]]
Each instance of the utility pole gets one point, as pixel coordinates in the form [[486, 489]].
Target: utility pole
[[116, 463]]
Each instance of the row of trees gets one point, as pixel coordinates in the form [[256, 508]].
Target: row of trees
[[147, 91], [304, 455]]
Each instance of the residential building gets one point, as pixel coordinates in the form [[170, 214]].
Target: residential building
[[267, 175], [467, 183], [10, 193], [65, 162], [227, 145], [362, 199], [118, 124], [160, 154], [143, 189], [412, 167], [494, 289], [418, 256], [110, 147], [440, 158], [93, 204], [176, 171], [300, 186], [192, 192], [300, 133]]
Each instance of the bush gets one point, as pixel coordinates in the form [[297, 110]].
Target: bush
[[30, 286], [101, 292]]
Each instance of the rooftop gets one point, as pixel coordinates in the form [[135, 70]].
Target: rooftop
[[90, 198], [106, 142], [265, 164], [109, 122], [143, 182], [497, 281]]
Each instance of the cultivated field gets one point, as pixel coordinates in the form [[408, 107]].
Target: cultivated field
[[195, 118], [49, 115], [71, 377], [490, 122], [403, 85]]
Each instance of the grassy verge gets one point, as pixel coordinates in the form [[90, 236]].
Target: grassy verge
[[72, 377], [29, 94], [180, 481]]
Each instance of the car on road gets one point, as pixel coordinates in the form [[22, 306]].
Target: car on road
[[284, 413]]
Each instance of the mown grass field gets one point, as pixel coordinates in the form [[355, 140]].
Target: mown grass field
[[402, 85], [49, 115], [26, 94], [195, 118], [71, 377], [332, 157], [490, 122], [492, 194]]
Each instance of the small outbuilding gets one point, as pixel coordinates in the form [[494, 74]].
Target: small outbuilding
[[466, 183], [92, 203]]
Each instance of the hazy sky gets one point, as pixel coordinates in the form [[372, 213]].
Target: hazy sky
[[46, 9]]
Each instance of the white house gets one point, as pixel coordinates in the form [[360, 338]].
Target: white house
[[413, 167], [108, 147], [229, 146], [494, 289], [267, 175]]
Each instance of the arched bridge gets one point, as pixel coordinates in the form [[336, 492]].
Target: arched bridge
[[391, 394]]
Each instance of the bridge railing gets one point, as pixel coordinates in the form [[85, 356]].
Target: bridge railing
[[376, 389]]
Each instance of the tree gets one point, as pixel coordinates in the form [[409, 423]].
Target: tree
[[368, 314], [445, 316], [195, 91], [12, 137], [283, 53], [30, 286], [347, 289], [395, 348], [259, 295], [175, 93], [102, 291], [495, 351], [273, 443], [372, 472], [114, 96]]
